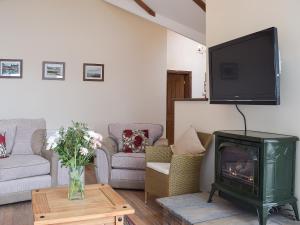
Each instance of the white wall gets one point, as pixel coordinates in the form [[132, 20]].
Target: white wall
[[233, 18], [76, 32], [183, 54], [184, 17]]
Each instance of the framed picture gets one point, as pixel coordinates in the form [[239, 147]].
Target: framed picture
[[93, 72], [53, 70], [11, 68]]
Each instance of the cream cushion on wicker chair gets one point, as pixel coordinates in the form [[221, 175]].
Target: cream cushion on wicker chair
[[188, 143], [160, 167]]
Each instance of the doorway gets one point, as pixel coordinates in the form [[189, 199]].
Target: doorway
[[179, 87]]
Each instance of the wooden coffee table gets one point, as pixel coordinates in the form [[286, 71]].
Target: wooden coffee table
[[101, 206]]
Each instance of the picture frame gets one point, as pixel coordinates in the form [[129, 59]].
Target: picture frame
[[93, 72], [11, 68], [53, 70]]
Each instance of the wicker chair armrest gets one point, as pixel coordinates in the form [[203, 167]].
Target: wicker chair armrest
[[161, 142], [184, 176], [158, 154], [185, 163]]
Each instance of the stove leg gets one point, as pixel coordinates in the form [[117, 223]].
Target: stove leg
[[213, 189], [295, 208], [262, 213]]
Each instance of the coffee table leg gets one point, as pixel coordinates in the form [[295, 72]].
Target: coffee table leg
[[119, 220]]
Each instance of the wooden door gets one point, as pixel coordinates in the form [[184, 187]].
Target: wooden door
[[178, 87]]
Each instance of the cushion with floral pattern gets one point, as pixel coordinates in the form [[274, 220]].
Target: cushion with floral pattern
[[135, 141], [3, 153]]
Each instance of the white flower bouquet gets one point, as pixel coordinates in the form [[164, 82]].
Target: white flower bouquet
[[75, 147]]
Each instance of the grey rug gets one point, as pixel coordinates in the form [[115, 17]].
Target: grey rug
[[193, 209]]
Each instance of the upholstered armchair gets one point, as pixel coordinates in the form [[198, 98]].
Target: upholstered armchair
[[120, 169], [168, 174]]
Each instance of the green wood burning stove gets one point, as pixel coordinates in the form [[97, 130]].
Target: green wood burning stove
[[256, 168]]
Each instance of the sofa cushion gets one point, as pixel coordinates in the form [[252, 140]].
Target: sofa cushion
[[135, 141], [115, 130], [124, 175], [3, 152], [24, 184], [21, 166], [188, 143], [9, 128], [30, 136], [133, 161], [159, 167]]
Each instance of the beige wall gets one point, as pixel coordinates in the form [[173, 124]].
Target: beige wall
[[183, 54], [76, 32], [233, 18]]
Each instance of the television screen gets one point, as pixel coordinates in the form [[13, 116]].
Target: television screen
[[245, 70]]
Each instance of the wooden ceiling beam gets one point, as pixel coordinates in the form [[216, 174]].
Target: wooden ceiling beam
[[144, 6], [201, 4]]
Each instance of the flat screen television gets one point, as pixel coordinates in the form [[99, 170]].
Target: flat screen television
[[246, 70]]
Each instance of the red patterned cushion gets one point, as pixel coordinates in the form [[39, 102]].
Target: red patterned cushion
[[135, 141], [2, 146]]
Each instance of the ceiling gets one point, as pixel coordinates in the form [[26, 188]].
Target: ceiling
[[182, 16]]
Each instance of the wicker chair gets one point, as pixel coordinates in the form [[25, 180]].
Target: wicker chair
[[179, 174]]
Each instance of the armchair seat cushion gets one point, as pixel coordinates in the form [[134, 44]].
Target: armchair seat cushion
[[22, 166], [159, 167], [122, 160]]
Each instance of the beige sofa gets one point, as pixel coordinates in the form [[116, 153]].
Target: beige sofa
[[29, 166]]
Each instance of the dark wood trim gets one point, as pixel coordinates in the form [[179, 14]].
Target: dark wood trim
[[92, 64], [187, 91], [144, 6], [50, 62], [187, 79], [21, 68], [179, 72], [192, 99], [201, 4]]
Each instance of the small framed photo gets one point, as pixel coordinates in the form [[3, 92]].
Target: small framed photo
[[53, 70], [93, 72], [11, 68]]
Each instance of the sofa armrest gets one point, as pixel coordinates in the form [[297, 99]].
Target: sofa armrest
[[103, 158], [47, 154], [161, 142], [158, 154], [185, 173], [109, 146], [59, 174]]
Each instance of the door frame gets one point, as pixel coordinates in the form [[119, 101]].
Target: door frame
[[187, 91], [187, 79]]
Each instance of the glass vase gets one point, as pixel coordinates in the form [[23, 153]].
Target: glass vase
[[76, 183]]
